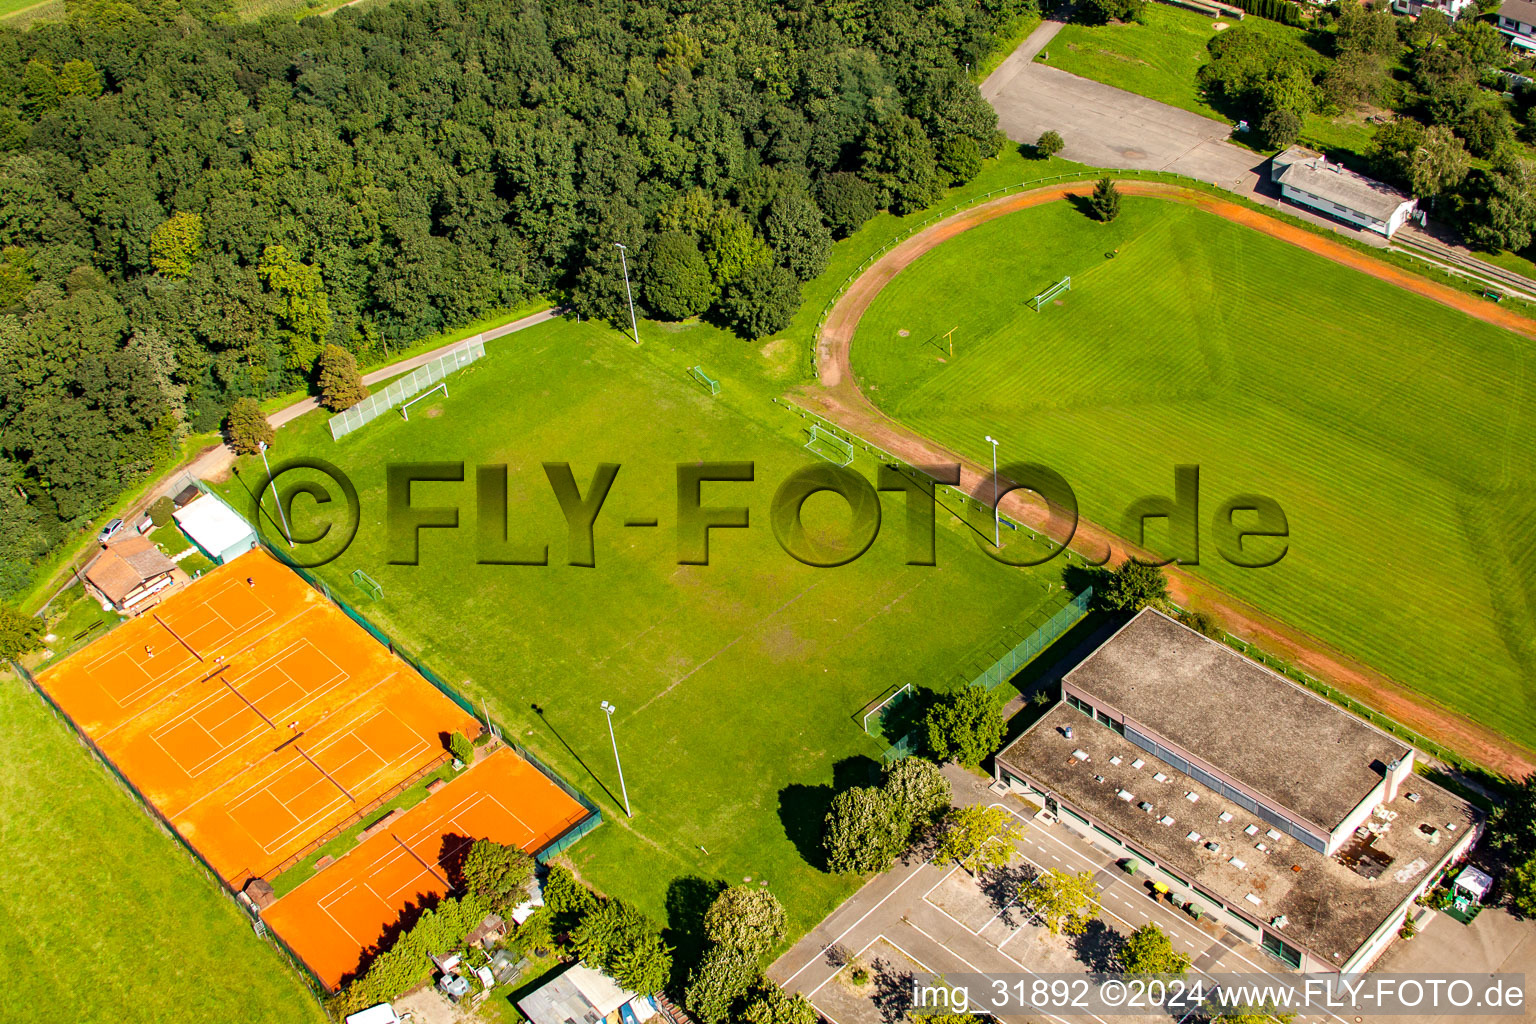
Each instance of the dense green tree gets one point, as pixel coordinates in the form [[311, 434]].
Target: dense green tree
[[341, 385], [731, 248], [847, 201], [763, 300], [677, 282], [1049, 143], [797, 233], [979, 838], [745, 917], [246, 428], [566, 898], [959, 159], [1281, 127], [498, 873], [618, 939], [918, 790], [1522, 888], [965, 725], [175, 244], [864, 831], [1066, 902], [303, 310], [1512, 826], [719, 982], [162, 511], [19, 634], [1105, 200], [899, 157], [769, 1004], [1504, 206], [1148, 951], [1132, 586], [1102, 12]]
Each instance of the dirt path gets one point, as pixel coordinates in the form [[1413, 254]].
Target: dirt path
[[838, 397]]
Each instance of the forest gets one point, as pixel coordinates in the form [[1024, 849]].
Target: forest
[[192, 209]]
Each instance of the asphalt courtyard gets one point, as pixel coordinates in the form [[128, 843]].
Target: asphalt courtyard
[[922, 918]]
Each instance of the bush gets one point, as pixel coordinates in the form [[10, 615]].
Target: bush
[[408, 962], [620, 941], [960, 159], [162, 511], [1049, 144], [964, 726], [461, 748], [567, 899], [718, 982], [246, 429], [1281, 128], [1203, 623], [918, 791]]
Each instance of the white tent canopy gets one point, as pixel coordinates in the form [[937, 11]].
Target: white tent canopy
[[216, 528], [1474, 881]]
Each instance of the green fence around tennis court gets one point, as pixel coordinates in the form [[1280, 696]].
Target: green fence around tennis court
[[1008, 666], [594, 815]]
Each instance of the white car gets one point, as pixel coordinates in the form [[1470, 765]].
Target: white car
[[109, 531]]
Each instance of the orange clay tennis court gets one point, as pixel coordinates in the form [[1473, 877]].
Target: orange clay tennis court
[[331, 920], [254, 714]]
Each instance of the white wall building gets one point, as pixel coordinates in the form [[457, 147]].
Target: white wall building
[[1517, 20], [1307, 178]]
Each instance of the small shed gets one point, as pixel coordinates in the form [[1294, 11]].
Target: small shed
[[582, 994], [218, 530]]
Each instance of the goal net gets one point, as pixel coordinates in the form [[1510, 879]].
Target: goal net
[[829, 446], [1064, 285], [367, 584]]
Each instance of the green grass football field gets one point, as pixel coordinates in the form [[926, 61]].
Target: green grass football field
[[1393, 431], [102, 917], [737, 683]]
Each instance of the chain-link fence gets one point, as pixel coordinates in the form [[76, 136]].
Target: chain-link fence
[[1006, 667], [375, 405]]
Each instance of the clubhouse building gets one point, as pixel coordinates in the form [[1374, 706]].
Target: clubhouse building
[[1301, 828]]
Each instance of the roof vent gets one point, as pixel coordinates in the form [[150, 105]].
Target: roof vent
[[1213, 847], [1138, 763], [1160, 777], [1098, 778], [1126, 795], [1081, 755], [1251, 830], [1192, 797], [1193, 837], [1272, 834], [1237, 863], [1116, 759], [1224, 816], [1145, 806], [1165, 820], [1261, 847], [1278, 921], [1414, 797], [1251, 898]]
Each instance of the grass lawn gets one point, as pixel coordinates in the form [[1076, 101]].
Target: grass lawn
[[103, 918], [1394, 432], [737, 683]]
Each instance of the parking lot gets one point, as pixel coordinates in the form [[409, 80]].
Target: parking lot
[[921, 918]]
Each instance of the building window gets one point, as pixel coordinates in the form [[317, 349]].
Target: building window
[[1081, 705], [1282, 951]]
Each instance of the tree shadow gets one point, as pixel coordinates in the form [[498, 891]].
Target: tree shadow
[[409, 915], [451, 857], [803, 808], [1099, 947], [688, 897], [1001, 885], [893, 990]]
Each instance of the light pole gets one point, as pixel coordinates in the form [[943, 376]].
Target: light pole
[[287, 531], [610, 709], [624, 262], [997, 528]]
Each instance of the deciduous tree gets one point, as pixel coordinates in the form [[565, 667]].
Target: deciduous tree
[[980, 838], [341, 385], [748, 918], [863, 831], [1148, 951], [246, 429], [965, 725], [1065, 902]]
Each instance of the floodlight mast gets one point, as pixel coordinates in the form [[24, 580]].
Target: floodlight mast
[[624, 262], [282, 513], [609, 709], [997, 529]]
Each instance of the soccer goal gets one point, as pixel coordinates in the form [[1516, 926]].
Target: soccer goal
[[367, 584], [704, 380], [829, 446], [1064, 285], [901, 693], [405, 410]]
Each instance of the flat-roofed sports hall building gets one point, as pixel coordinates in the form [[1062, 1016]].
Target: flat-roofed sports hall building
[[1303, 828]]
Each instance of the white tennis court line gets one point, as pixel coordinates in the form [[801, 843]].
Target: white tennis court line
[[278, 716]]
